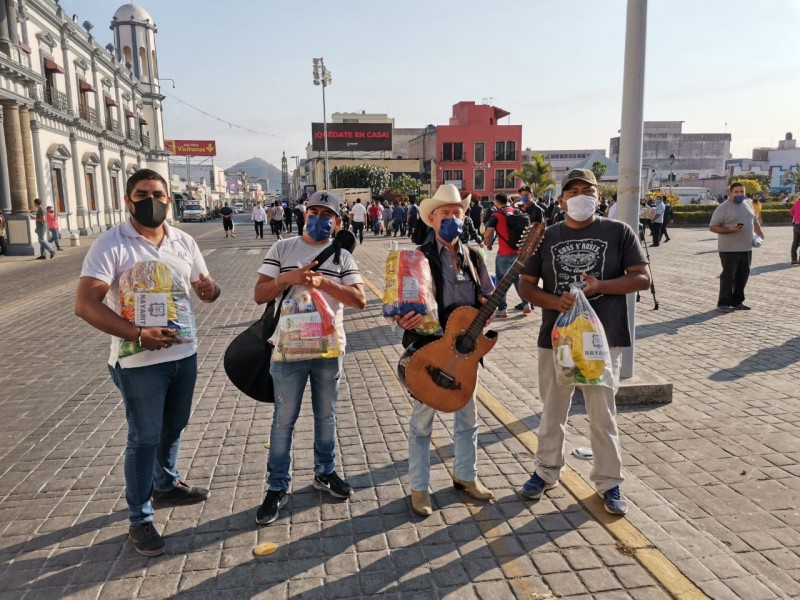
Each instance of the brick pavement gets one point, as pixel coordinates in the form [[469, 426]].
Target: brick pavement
[[711, 477]]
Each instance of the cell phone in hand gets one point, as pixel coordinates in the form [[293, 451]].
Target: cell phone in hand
[[740, 225]]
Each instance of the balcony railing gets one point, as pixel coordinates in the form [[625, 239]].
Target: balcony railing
[[113, 125], [132, 135], [505, 156], [146, 140], [89, 114]]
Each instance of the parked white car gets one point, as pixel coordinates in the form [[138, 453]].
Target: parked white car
[[194, 212], [238, 207]]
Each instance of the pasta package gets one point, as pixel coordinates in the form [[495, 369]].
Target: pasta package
[[580, 348], [409, 288], [306, 328]]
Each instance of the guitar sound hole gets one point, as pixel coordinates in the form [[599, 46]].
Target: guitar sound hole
[[464, 345], [442, 378]]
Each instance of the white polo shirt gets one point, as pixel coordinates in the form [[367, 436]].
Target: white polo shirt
[[359, 212], [157, 278]]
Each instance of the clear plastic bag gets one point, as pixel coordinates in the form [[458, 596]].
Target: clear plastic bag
[[306, 329], [409, 288], [580, 348]]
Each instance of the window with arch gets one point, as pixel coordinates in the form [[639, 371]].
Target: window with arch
[[127, 54], [154, 63], [143, 61]]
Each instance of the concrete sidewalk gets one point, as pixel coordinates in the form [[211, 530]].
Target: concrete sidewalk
[[711, 478]]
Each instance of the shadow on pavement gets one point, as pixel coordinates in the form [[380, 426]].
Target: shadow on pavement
[[774, 358], [672, 327], [770, 268]]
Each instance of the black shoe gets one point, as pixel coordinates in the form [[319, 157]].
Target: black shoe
[[333, 484], [740, 307], [181, 494], [146, 540], [52, 255], [273, 502], [42, 258], [519, 306], [724, 309]]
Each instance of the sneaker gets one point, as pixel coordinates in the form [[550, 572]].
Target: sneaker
[[42, 258], [501, 314], [333, 484], [740, 307], [52, 255], [535, 487], [182, 494], [519, 306], [273, 502], [527, 309], [724, 309], [146, 540], [614, 502]]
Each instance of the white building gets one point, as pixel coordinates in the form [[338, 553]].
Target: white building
[[78, 118], [775, 163]]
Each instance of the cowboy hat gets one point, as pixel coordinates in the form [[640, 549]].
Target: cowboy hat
[[446, 194]]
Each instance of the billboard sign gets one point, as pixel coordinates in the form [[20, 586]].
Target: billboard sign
[[352, 137], [191, 147]]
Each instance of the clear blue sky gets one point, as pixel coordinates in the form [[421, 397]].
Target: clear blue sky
[[556, 65]]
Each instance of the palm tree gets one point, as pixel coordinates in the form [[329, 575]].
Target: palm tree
[[537, 175]]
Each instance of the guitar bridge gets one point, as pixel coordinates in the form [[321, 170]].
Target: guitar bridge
[[442, 379]]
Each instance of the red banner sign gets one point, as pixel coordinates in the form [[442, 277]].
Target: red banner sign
[[191, 147]]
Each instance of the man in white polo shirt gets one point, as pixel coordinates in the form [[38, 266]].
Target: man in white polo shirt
[[152, 268], [359, 219]]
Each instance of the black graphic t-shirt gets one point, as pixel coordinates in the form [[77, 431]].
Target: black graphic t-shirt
[[603, 250]]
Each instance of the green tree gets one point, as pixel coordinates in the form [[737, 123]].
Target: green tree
[[406, 184], [362, 176], [599, 169], [537, 175], [751, 186]]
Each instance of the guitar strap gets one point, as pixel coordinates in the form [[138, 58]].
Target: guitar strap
[[473, 271]]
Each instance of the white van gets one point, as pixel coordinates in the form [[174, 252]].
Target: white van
[[238, 207], [689, 195]]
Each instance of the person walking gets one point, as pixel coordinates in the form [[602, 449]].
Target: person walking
[[277, 218], [657, 221], [288, 217], [341, 285], [506, 253], [795, 214], [53, 227], [374, 213], [412, 216], [605, 257], [153, 360], [227, 219], [460, 278], [398, 220], [41, 232], [734, 221], [359, 220], [300, 216], [258, 217], [668, 214]]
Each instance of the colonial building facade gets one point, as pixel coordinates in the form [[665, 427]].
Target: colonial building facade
[[77, 118]]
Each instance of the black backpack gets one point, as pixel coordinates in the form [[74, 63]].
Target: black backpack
[[516, 223]]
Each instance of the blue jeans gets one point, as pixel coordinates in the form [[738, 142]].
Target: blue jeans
[[55, 235], [290, 379], [158, 400], [501, 266], [465, 444], [41, 231]]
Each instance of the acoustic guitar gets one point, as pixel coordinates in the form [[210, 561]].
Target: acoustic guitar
[[443, 373]]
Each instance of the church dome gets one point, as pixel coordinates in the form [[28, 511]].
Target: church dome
[[132, 12]]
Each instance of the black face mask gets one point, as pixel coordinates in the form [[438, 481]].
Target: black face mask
[[149, 212]]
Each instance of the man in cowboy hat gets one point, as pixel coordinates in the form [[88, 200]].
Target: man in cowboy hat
[[460, 279]]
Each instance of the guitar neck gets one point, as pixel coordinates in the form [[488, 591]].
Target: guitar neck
[[494, 300]]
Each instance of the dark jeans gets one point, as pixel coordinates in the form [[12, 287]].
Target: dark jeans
[[358, 230], [664, 231], [795, 240], [412, 224], [655, 230], [259, 225], [735, 272], [158, 400]]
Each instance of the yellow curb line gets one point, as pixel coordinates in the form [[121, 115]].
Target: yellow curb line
[[629, 538]]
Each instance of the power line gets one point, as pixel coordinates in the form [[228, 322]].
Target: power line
[[225, 121]]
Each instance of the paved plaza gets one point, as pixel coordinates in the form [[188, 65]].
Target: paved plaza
[[712, 478]]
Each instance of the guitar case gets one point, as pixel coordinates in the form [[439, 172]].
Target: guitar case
[[248, 357]]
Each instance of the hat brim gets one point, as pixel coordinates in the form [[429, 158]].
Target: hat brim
[[429, 205]]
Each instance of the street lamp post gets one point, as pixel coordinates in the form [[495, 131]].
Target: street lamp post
[[323, 77], [671, 173]]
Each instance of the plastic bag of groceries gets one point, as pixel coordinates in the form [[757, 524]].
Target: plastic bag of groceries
[[306, 328], [581, 354], [409, 288]]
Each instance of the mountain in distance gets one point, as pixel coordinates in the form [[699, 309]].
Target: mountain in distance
[[258, 168]]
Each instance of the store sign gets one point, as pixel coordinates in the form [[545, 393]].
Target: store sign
[[191, 147], [456, 182], [353, 137]]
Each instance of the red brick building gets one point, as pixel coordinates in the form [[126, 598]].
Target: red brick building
[[476, 153]]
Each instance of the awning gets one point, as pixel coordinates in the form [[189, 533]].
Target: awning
[[129, 113], [86, 86], [25, 47], [50, 65], [110, 101], [142, 121]]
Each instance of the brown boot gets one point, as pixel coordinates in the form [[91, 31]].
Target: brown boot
[[474, 488], [421, 503]]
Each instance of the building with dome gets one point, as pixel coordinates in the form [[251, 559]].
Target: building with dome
[[78, 117]]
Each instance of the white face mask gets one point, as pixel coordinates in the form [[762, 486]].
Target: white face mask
[[581, 208]]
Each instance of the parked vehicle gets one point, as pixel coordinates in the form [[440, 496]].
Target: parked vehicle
[[238, 207], [688, 195], [194, 212]]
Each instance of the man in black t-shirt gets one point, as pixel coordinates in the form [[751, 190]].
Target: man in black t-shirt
[[604, 257], [227, 219]]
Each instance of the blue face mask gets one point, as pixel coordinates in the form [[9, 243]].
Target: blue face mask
[[450, 229], [318, 228], [525, 199], [738, 199]]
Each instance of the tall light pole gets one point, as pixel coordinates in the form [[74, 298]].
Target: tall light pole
[[671, 172], [323, 77]]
